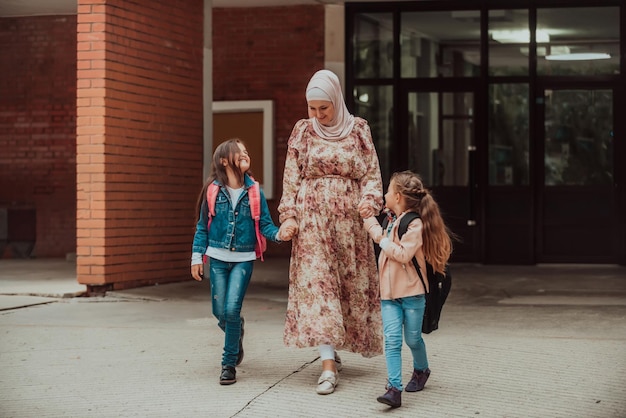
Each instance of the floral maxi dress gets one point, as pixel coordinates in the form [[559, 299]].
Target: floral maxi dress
[[333, 281]]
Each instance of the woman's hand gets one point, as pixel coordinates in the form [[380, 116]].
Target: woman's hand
[[288, 229], [197, 271], [366, 210]]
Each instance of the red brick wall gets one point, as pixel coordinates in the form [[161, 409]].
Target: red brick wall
[[139, 135], [139, 139], [269, 53], [38, 126]]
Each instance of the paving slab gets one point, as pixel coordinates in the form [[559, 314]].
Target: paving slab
[[132, 357], [16, 302], [48, 277], [513, 342], [565, 300]]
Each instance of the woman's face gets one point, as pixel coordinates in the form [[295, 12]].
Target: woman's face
[[323, 111]]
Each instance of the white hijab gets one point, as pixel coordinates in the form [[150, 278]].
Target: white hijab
[[324, 85]]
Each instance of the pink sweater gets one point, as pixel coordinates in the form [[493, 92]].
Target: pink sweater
[[398, 277]]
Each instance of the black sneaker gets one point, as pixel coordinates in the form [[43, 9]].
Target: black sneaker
[[240, 355], [228, 375]]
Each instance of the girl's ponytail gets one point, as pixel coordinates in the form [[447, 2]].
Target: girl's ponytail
[[436, 236]]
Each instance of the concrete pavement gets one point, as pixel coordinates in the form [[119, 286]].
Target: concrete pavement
[[515, 341]]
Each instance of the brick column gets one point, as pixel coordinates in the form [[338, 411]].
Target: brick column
[[139, 139]]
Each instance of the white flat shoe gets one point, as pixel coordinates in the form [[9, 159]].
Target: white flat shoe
[[327, 382]]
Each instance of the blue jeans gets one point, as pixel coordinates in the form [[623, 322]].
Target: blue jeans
[[396, 313], [229, 282]]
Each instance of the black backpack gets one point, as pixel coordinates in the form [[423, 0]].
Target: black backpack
[[438, 284]]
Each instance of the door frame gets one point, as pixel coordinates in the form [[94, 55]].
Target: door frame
[[477, 158], [538, 161]]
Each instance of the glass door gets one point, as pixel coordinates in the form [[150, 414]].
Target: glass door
[[577, 187], [440, 132]]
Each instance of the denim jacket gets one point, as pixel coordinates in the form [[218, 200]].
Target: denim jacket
[[232, 229]]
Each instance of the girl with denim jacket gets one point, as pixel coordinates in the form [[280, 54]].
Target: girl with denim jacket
[[229, 245], [401, 291]]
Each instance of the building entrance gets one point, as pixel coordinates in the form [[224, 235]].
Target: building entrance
[[576, 187], [439, 132], [510, 113], [570, 200]]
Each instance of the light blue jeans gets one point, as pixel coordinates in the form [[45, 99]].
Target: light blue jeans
[[229, 282], [408, 313]]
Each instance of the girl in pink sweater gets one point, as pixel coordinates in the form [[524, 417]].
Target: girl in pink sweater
[[401, 291]]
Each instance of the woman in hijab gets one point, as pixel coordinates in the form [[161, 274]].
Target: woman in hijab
[[331, 172]]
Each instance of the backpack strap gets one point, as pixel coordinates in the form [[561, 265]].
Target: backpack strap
[[404, 225], [254, 195], [255, 201], [211, 197], [405, 221]]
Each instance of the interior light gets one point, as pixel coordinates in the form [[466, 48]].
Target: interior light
[[559, 50], [579, 56], [518, 36], [364, 98], [542, 51]]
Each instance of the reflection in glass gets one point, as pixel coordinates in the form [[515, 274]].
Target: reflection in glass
[[374, 104], [508, 42], [578, 137], [508, 134], [440, 44], [438, 142], [373, 45], [573, 31]]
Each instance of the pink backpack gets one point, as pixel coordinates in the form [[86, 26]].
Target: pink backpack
[[254, 194]]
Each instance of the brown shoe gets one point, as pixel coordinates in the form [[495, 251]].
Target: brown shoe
[[418, 380], [393, 397]]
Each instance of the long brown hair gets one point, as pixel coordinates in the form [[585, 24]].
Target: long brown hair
[[224, 151], [437, 238]]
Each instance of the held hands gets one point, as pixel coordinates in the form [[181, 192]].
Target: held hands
[[197, 271], [366, 210], [288, 229]]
